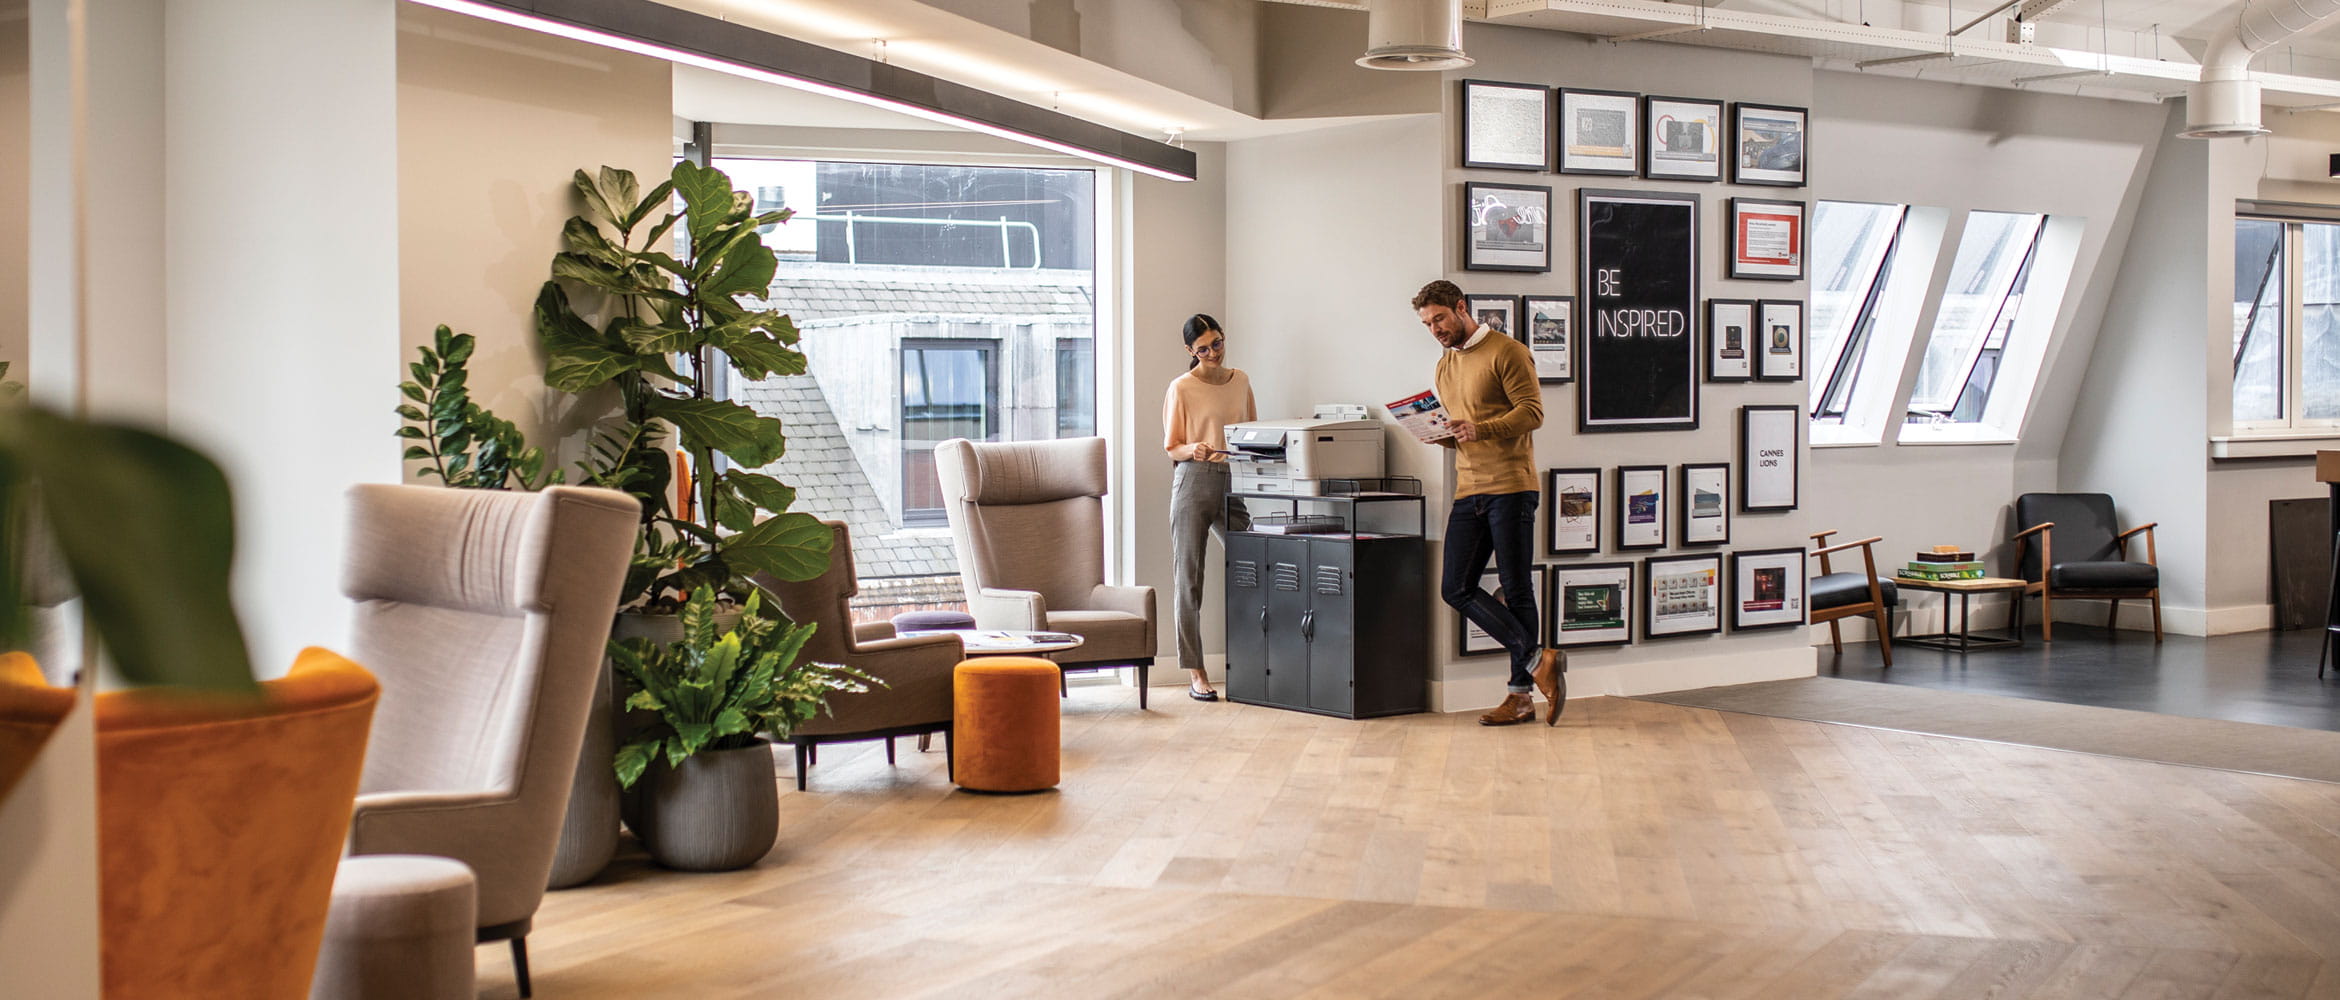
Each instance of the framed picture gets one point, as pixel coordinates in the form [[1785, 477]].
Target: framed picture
[[1684, 141], [1506, 126], [1767, 589], [1641, 506], [1497, 312], [1767, 458], [1706, 504], [1550, 325], [1767, 239], [1597, 131], [1572, 511], [1782, 356], [1592, 605], [1475, 641], [1507, 227], [1730, 336], [1684, 596], [1768, 144], [1637, 253]]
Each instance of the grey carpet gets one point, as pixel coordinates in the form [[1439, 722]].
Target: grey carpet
[[2113, 732]]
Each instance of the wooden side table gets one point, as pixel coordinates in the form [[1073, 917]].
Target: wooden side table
[[1963, 640]]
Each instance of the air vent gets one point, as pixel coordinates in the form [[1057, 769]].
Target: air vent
[[1285, 576], [1244, 574], [1328, 580]]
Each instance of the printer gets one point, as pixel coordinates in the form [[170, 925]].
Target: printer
[[1296, 457]]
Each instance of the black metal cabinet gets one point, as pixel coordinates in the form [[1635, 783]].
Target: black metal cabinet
[[1331, 623]]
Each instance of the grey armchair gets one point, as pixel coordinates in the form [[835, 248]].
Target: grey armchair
[[916, 700], [2071, 545], [1028, 521], [484, 614]]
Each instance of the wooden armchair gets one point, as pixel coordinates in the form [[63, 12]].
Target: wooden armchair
[[1844, 595], [2093, 560]]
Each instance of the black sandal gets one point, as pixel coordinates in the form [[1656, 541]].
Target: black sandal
[[1201, 695]]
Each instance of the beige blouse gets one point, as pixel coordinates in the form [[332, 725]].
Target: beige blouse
[[1197, 412]]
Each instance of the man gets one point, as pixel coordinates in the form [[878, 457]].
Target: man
[[1487, 382]]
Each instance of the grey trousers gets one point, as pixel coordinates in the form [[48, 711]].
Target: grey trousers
[[1198, 507]]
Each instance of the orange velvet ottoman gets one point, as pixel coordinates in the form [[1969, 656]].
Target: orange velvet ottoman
[[1005, 723]]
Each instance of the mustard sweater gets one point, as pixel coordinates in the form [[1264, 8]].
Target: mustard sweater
[[1492, 385]]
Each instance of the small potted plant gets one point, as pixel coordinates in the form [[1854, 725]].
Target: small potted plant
[[710, 802]]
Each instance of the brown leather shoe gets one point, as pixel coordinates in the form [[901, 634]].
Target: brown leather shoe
[[1516, 708], [1551, 677]]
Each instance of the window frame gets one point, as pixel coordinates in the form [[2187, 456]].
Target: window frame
[[1850, 354], [989, 348], [2000, 289], [2292, 350]]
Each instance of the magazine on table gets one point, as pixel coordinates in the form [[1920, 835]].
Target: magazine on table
[[1423, 416]]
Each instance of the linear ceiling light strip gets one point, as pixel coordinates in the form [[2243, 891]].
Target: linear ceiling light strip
[[694, 39]]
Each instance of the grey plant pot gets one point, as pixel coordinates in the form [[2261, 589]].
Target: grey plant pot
[[720, 810], [589, 832]]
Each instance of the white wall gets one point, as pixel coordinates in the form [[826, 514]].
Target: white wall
[[1992, 149], [282, 335], [492, 122], [2136, 432]]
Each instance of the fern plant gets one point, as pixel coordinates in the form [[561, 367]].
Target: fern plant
[[717, 691], [467, 446]]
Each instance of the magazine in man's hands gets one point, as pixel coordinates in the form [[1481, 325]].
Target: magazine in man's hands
[[1422, 415]]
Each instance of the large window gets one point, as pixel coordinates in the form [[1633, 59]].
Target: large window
[[934, 302], [1853, 246], [1978, 314], [2286, 325]]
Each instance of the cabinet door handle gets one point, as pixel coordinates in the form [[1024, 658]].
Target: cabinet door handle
[[1308, 624], [1263, 619]]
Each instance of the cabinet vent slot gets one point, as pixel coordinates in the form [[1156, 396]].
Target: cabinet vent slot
[[1328, 580], [1246, 573], [1285, 576]]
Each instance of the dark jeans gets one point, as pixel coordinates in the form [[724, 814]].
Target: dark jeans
[[1502, 525]]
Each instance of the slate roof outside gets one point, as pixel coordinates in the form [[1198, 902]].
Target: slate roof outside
[[814, 294], [830, 483]]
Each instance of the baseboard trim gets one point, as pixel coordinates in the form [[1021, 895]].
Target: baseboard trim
[[2137, 616]]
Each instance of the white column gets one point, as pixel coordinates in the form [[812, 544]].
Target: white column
[[281, 232]]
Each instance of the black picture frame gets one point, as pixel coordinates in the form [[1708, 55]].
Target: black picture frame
[[1484, 307], [1771, 363], [1694, 477], [1637, 293], [1753, 225], [1682, 138], [1566, 531], [1605, 126], [1726, 361], [1770, 144], [1555, 361], [1613, 625], [1642, 523], [1657, 570], [1507, 227], [1749, 610], [1763, 456], [1462, 626], [1487, 106]]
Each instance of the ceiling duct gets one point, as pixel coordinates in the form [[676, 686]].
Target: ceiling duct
[[2226, 103], [1417, 35]]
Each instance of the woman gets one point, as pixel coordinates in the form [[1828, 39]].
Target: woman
[[1195, 415]]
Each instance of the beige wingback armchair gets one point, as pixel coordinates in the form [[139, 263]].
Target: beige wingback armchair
[[484, 614], [1028, 521], [916, 699]]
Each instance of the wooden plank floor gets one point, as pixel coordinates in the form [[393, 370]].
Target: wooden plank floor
[[1638, 850]]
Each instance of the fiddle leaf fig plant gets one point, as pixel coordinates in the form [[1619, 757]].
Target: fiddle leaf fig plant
[[716, 690], [619, 310]]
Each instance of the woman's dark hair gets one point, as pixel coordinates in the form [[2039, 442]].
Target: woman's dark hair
[[1197, 325]]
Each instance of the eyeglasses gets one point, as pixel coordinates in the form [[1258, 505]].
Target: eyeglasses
[[1211, 348]]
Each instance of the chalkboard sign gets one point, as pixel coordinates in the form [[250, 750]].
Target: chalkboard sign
[[1638, 254]]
